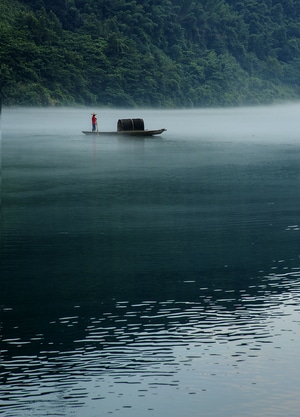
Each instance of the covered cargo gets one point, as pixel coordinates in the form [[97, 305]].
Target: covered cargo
[[130, 125]]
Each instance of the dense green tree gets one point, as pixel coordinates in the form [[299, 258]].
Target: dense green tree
[[148, 52]]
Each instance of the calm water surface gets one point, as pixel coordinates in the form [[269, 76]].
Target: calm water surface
[[150, 277]]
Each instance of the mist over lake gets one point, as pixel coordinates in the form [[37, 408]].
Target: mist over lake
[[150, 276]]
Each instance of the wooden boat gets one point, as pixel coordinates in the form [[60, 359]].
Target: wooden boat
[[127, 132], [131, 127]]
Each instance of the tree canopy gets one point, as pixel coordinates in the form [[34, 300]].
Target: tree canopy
[[175, 53]]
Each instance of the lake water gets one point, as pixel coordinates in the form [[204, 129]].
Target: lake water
[[150, 277]]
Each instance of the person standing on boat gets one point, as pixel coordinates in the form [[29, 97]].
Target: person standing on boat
[[94, 122]]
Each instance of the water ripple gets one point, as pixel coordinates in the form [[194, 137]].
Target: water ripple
[[136, 342]]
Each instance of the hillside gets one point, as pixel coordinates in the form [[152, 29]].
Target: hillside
[[176, 53]]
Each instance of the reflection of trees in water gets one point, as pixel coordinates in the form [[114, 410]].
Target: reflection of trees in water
[[138, 339], [197, 311]]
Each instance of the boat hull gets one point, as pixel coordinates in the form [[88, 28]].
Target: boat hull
[[127, 132]]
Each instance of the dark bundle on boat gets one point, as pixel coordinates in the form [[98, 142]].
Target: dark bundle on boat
[[130, 124]]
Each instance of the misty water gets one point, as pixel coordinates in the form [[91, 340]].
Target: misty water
[[150, 277]]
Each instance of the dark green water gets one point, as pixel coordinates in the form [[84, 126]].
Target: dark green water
[[153, 276]]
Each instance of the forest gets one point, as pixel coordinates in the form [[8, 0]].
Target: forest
[[149, 53]]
